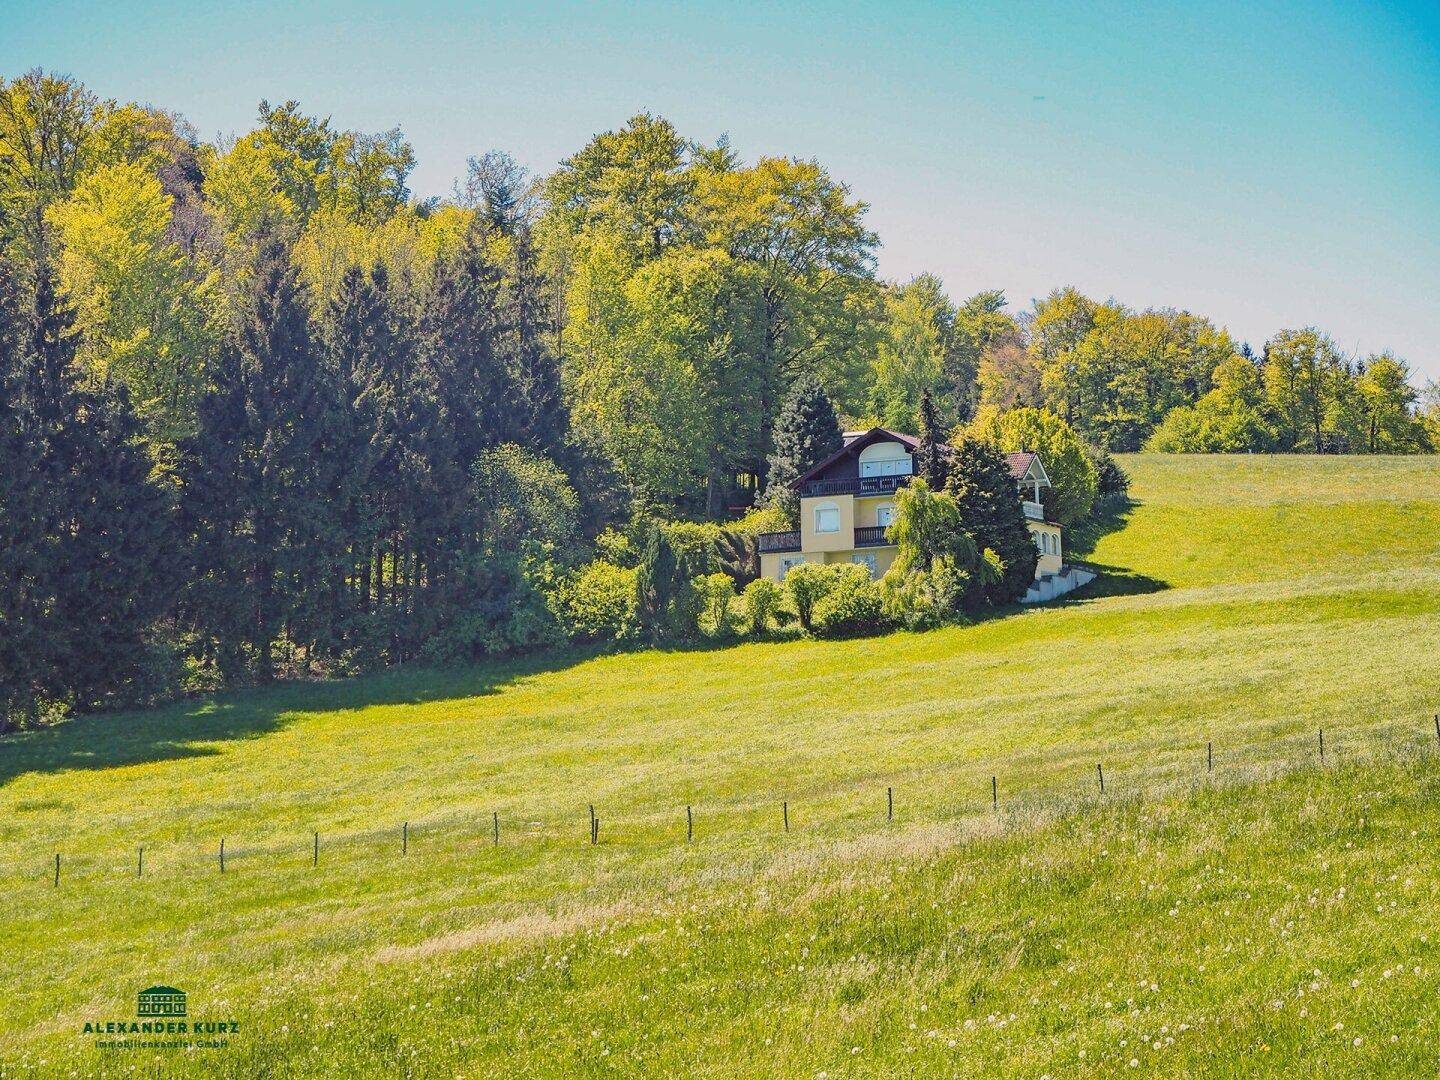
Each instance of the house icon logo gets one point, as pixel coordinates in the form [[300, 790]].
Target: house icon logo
[[161, 1001]]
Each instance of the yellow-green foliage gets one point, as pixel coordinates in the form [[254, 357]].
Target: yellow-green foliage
[[1255, 922], [146, 313], [597, 603], [1073, 477]]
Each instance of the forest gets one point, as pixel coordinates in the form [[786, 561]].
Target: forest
[[265, 412]]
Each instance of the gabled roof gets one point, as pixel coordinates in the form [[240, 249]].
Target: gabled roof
[[1025, 465], [855, 441]]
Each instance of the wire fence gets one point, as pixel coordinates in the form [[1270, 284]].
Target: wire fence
[[677, 825]]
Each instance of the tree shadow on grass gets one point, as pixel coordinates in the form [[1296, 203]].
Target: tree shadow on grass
[[1081, 541], [190, 728]]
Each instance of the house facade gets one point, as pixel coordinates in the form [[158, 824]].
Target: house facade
[[848, 501]]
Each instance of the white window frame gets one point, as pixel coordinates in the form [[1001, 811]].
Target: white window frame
[[866, 559], [883, 511], [789, 562], [886, 458], [900, 466], [827, 508]]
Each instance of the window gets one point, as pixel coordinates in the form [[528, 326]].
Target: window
[[900, 466], [1040, 542], [866, 561], [787, 564], [885, 514], [827, 518]]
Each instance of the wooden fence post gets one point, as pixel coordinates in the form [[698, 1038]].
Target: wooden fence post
[[57, 870], [316, 861], [496, 819], [889, 804], [405, 838], [222, 854], [1209, 757], [1322, 744], [140, 866], [785, 812], [994, 793], [689, 825], [1100, 771]]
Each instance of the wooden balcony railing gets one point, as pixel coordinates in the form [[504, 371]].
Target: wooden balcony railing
[[778, 541], [856, 485], [1033, 510], [870, 535]]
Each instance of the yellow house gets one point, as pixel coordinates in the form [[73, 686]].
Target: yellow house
[[848, 500]]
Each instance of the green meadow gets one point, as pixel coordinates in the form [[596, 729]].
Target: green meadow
[[1276, 914]]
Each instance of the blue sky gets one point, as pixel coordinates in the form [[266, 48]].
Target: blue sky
[[1268, 165]]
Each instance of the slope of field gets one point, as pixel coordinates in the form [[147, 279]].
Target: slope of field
[[1240, 920]]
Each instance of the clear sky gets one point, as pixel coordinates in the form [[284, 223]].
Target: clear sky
[[1269, 165]]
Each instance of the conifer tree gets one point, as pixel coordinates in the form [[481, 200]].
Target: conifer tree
[[807, 431], [261, 430], [932, 455], [532, 367], [991, 513], [461, 407], [26, 663], [86, 531], [217, 513]]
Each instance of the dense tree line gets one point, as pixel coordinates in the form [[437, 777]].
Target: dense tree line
[[263, 410]]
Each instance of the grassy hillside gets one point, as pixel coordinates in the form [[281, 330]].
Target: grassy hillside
[[1235, 917]]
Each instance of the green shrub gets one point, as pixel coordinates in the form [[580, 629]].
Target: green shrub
[[675, 555], [771, 518], [853, 604], [615, 547], [598, 603], [716, 592], [761, 603], [807, 585], [928, 527], [923, 599]]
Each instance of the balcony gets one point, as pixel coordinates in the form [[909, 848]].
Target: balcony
[[1033, 510], [856, 485], [771, 542], [870, 535]]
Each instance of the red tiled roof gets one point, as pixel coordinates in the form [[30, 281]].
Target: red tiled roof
[[1019, 463]]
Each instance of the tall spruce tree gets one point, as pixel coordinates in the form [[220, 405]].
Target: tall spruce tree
[[85, 529], [261, 431], [807, 431], [27, 666], [932, 456], [463, 381], [532, 368], [361, 383], [217, 513], [991, 513]]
